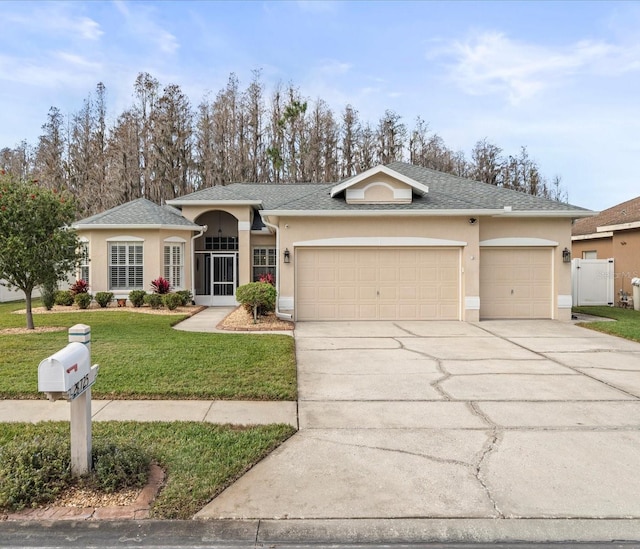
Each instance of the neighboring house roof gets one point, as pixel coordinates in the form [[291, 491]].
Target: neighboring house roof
[[445, 193], [618, 216], [136, 213]]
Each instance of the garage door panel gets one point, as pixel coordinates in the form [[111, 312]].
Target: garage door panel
[[366, 274], [327, 293], [515, 283], [348, 293], [378, 283], [346, 276], [367, 293], [388, 274], [406, 293], [389, 293], [366, 311]]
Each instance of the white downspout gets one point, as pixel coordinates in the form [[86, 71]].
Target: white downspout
[[279, 314], [205, 228]]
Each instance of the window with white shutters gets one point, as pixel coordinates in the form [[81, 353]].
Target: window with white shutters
[[126, 266], [174, 264]]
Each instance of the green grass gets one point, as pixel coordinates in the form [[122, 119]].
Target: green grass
[[200, 460], [627, 323], [142, 357]]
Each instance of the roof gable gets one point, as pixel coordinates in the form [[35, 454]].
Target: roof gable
[[380, 185]]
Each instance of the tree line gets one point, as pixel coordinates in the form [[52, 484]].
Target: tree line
[[162, 147]]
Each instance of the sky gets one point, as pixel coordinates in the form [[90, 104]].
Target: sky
[[561, 78]]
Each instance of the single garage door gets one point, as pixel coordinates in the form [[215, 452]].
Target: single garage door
[[515, 283], [377, 283]]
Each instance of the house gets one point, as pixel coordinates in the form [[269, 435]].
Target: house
[[394, 242], [613, 233], [11, 294]]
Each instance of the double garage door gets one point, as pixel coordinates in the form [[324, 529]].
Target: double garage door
[[377, 283], [419, 283]]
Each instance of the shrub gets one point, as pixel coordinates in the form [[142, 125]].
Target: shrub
[[83, 300], [171, 301], [48, 294], [153, 300], [268, 278], [160, 286], [116, 467], [64, 297], [104, 298], [186, 297], [258, 297], [137, 297], [33, 472], [79, 287]]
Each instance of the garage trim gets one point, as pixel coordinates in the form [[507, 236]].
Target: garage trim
[[380, 241], [517, 242]]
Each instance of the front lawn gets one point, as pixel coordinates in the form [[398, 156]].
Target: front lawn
[[200, 460], [142, 357], [627, 323]]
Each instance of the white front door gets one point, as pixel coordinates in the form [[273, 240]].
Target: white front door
[[216, 278]]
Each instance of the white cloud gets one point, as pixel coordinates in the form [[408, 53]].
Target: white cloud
[[334, 67], [492, 63], [53, 20], [141, 24], [59, 70]]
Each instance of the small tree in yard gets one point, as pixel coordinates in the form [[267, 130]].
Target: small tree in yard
[[257, 297], [37, 245]]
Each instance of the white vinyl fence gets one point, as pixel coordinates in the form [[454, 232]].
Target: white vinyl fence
[[592, 282]]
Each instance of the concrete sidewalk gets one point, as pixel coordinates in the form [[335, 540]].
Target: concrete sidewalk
[[208, 319], [208, 411]]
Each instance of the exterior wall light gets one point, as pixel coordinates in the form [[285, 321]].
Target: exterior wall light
[[287, 255], [566, 256]]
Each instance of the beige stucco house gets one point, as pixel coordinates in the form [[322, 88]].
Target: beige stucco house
[[613, 233], [394, 242]]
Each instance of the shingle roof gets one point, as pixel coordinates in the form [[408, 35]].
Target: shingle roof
[[446, 192], [139, 212], [626, 212]]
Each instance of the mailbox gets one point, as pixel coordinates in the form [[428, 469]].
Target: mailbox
[[68, 372]]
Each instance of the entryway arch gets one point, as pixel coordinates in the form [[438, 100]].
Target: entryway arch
[[216, 259]]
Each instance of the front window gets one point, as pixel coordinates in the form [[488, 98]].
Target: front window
[[174, 264], [264, 262], [221, 243], [591, 254], [84, 262], [125, 266]]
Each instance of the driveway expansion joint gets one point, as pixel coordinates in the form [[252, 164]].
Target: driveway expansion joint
[[490, 447]]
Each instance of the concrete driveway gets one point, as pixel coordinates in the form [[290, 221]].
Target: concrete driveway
[[450, 420]]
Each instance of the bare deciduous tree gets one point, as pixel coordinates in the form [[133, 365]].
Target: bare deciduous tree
[[160, 148]]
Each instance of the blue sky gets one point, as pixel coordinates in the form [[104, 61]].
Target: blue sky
[[562, 78]]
